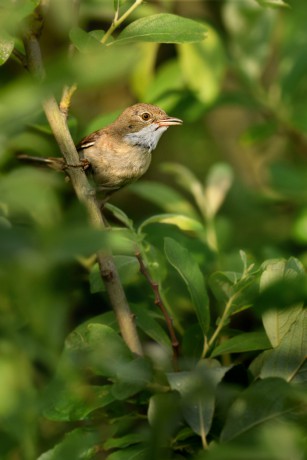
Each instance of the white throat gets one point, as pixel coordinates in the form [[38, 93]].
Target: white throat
[[147, 137]]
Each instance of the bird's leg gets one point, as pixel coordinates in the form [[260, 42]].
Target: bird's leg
[[84, 164]]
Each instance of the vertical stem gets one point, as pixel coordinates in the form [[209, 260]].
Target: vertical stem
[[86, 195]]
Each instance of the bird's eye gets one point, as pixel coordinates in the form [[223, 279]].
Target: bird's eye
[[145, 116]]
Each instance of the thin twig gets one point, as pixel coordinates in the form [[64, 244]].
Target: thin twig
[[160, 304], [69, 90], [85, 193], [118, 21]]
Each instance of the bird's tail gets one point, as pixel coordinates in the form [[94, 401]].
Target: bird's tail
[[55, 163]]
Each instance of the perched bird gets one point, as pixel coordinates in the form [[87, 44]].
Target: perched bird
[[120, 153]]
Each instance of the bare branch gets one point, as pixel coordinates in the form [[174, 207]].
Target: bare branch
[[86, 195], [160, 304]]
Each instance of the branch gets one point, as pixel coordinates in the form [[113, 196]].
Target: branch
[[86, 195], [160, 304], [118, 21]]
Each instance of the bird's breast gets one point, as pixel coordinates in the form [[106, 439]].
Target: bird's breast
[[116, 167]]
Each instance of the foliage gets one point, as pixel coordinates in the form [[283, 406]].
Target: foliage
[[223, 251]]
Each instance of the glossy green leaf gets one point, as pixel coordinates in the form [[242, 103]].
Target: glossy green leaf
[[103, 350], [219, 181], [6, 47], [74, 400], [148, 324], [123, 441], [262, 401], [241, 343], [85, 42], [131, 377], [185, 223], [164, 196], [203, 66], [277, 322], [287, 358], [120, 215], [163, 28], [130, 453], [273, 3], [79, 444], [180, 258], [197, 390]]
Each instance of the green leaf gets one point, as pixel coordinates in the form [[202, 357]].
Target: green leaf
[[273, 3], [120, 215], [144, 69], [6, 46], [84, 41], [79, 444], [163, 28], [166, 88], [124, 441], [219, 181], [287, 358], [71, 399], [181, 259], [131, 377], [277, 322], [241, 343], [148, 324], [265, 400], [98, 347], [203, 66], [165, 197], [131, 453], [197, 390], [31, 191], [186, 224]]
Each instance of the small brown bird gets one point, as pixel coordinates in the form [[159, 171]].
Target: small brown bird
[[120, 153]]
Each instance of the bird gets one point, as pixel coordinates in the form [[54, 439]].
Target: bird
[[119, 153]]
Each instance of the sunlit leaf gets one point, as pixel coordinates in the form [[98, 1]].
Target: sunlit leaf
[[273, 3], [219, 180], [6, 47], [262, 401], [143, 71], [181, 259], [163, 28], [185, 223], [74, 400], [287, 358], [197, 389], [241, 343], [277, 322], [80, 443], [85, 42], [164, 196], [203, 66]]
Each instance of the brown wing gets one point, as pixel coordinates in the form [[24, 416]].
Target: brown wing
[[89, 141]]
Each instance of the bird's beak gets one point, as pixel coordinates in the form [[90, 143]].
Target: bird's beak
[[170, 121]]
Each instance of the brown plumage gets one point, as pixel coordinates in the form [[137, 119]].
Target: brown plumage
[[120, 153]]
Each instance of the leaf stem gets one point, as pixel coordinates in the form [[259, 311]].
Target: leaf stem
[[220, 325], [117, 21]]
